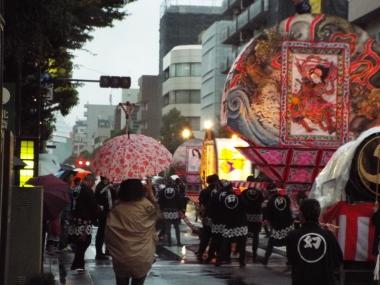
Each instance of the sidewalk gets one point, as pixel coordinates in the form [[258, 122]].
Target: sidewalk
[[59, 265]]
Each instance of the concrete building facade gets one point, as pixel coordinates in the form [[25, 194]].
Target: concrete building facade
[[149, 112], [181, 23], [79, 137], [100, 123], [366, 13], [214, 55], [182, 86]]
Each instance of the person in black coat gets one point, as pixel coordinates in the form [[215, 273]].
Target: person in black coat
[[217, 226], [105, 196], [170, 202], [313, 252], [235, 225], [280, 218], [84, 215], [205, 212], [252, 200]]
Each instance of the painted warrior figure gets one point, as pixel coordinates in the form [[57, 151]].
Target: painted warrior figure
[[309, 102]]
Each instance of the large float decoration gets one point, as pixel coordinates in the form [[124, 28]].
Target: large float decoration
[[300, 90], [347, 188], [186, 163], [221, 156]]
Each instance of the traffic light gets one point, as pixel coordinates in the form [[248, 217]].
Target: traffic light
[[115, 82]]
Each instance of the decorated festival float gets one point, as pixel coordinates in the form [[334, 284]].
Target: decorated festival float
[[186, 163], [295, 94], [221, 156]]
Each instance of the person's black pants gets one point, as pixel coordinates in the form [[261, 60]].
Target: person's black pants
[[204, 240], [271, 243], [125, 281], [215, 246], [99, 240], [168, 224], [226, 248], [81, 245], [255, 243]]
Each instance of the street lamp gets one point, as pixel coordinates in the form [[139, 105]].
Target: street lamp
[[209, 134], [186, 133], [208, 124]]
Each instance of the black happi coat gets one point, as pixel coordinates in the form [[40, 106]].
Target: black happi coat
[[86, 206], [85, 213], [233, 216], [314, 254], [216, 211], [252, 200], [279, 215], [205, 204], [169, 200]]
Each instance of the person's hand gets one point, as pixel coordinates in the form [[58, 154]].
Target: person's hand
[[149, 187]]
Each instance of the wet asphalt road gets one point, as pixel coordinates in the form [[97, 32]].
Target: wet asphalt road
[[179, 266], [172, 269]]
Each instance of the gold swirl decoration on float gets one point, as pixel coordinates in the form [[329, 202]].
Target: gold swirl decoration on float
[[364, 175]]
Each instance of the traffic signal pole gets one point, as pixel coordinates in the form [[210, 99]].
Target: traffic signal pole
[[75, 80], [104, 81]]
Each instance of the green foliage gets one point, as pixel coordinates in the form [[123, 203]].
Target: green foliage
[[39, 37], [172, 125]]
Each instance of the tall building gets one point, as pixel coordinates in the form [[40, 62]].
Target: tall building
[[149, 115], [61, 140], [214, 55], [181, 23], [250, 17], [100, 122], [366, 13], [79, 137], [182, 86]]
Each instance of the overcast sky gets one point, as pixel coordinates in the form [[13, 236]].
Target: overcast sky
[[130, 48]]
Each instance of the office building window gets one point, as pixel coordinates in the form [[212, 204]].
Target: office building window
[[195, 69], [182, 69], [102, 123], [195, 96], [185, 69], [172, 97], [183, 97], [166, 99]]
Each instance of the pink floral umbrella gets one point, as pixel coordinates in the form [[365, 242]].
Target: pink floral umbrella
[[136, 156]]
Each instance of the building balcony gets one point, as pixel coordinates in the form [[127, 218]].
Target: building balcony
[[234, 7], [243, 26], [181, 83], [187, 110], [226, 64]]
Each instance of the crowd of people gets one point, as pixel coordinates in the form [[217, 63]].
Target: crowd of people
[[229, 217], [132, 216]]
